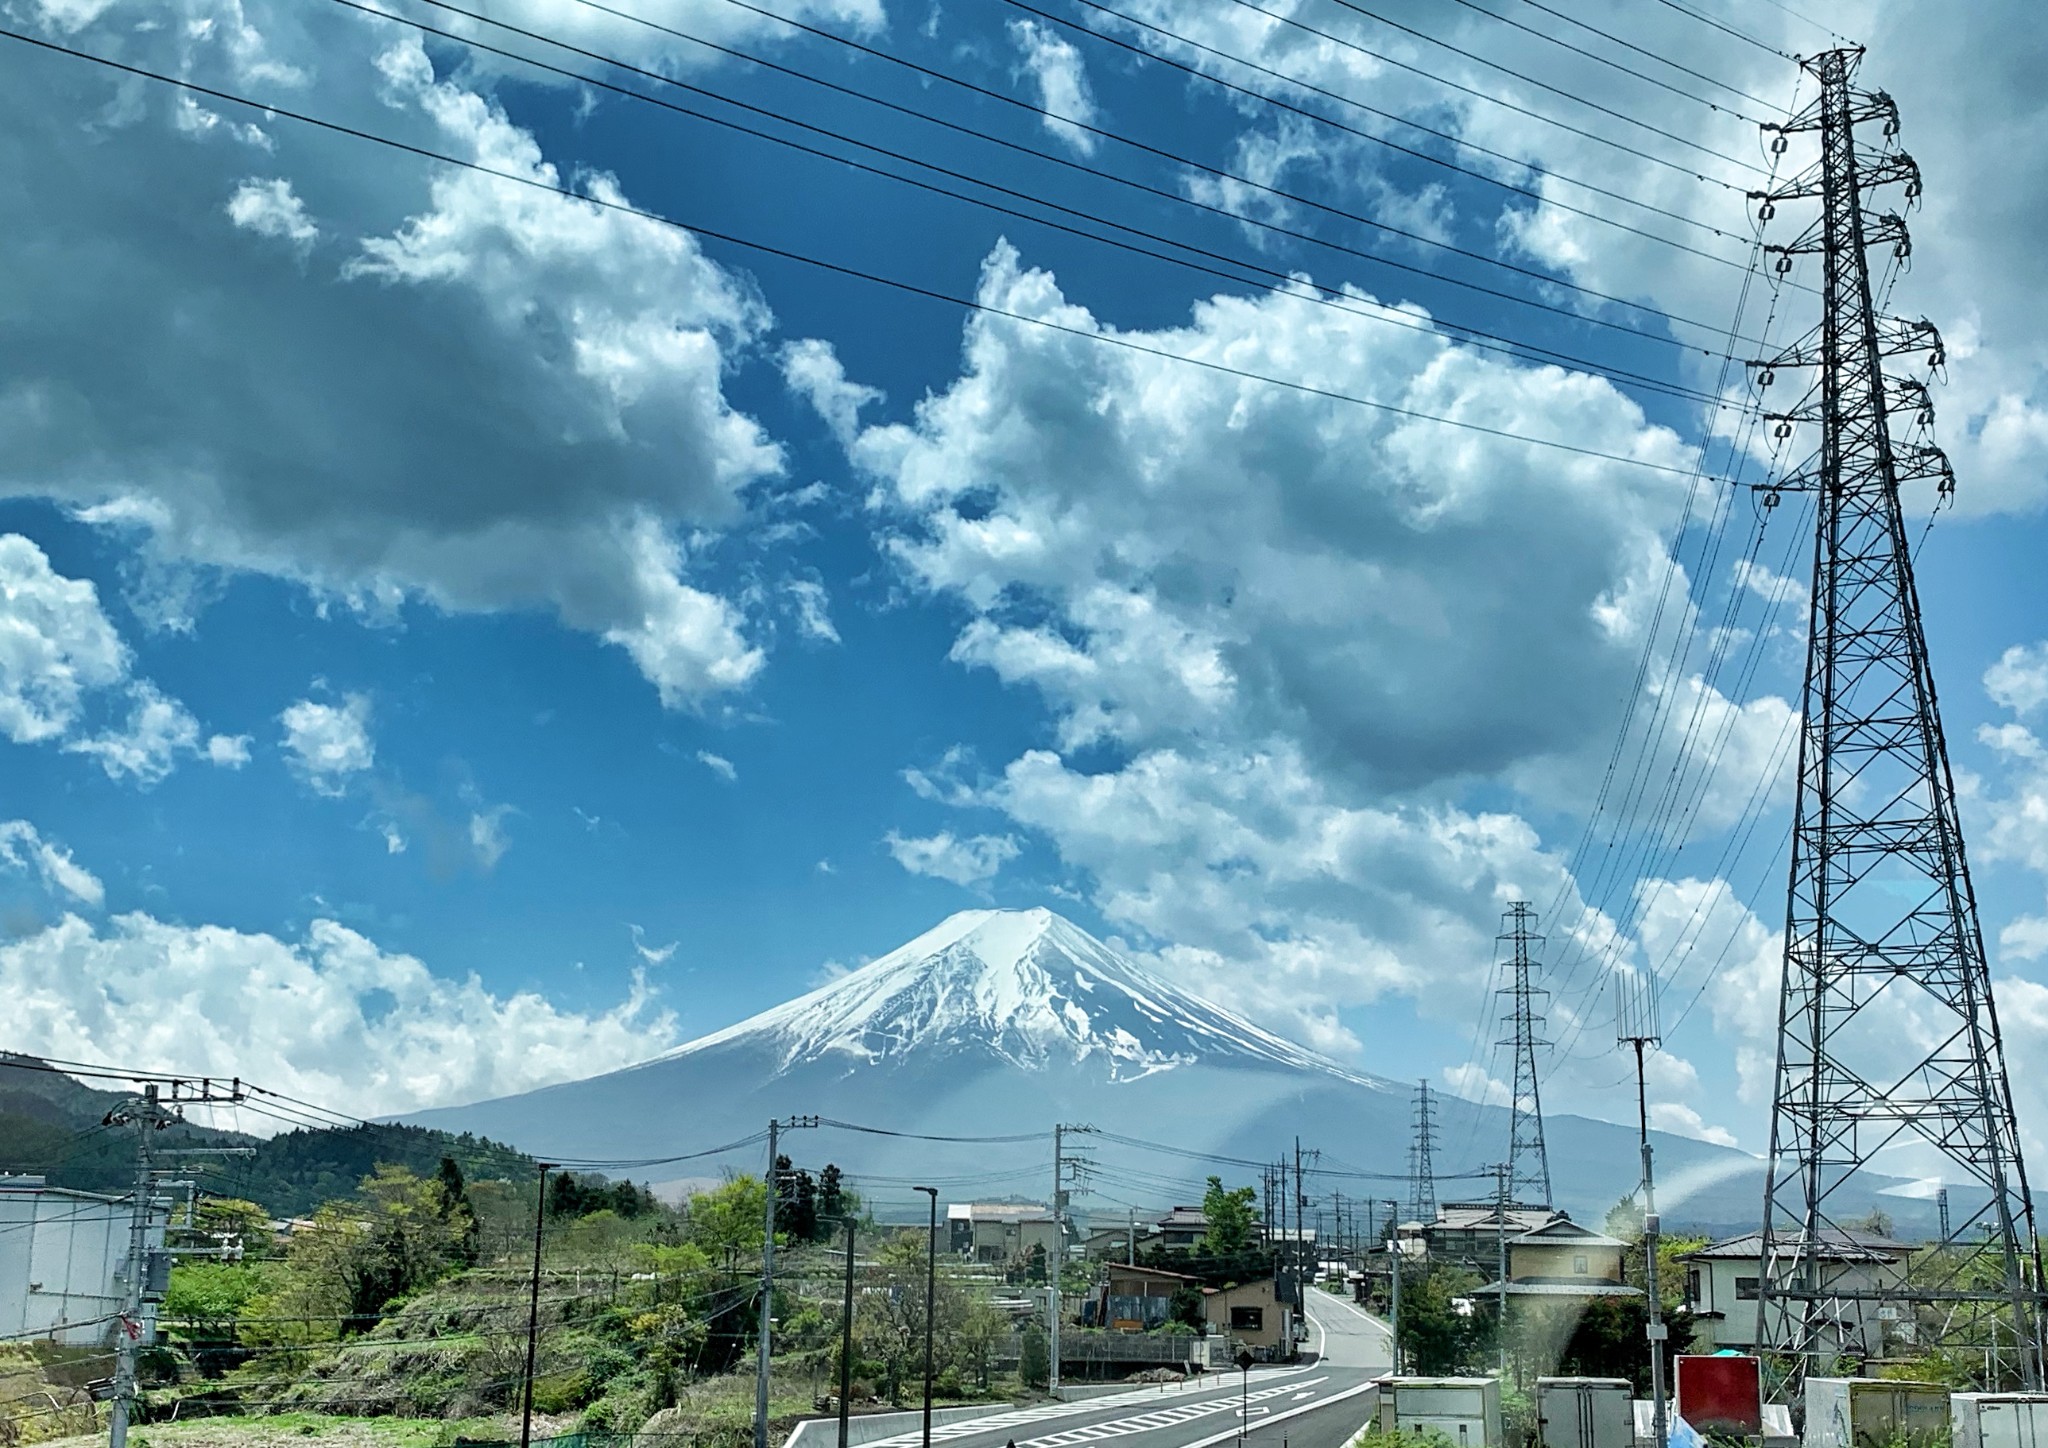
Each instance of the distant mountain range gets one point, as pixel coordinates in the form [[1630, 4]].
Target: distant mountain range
[[999, 1023], [50, 1127]]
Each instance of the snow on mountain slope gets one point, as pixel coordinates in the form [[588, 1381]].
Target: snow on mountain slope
[[1026, 985]]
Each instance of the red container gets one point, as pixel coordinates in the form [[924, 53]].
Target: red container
[[1720, 1393]]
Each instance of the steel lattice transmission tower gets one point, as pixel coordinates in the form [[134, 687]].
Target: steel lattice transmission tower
[[1422, 1158], [1889, 1054], [1528, 1161]]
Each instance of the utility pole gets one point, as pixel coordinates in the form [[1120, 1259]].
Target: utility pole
[[1394, 1282], [1057, 1258], [147, 1273], [931, 1281], [1528, 1161], [762, 1355], [540, 1212], [1635, 1017], [1422, 1157], [1052, 1268], [1300, 1297], [846, 1341], [1131, 1237], [1881, 909], [1502, 1174]]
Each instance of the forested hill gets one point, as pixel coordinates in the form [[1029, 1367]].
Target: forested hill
[[51, 1125]]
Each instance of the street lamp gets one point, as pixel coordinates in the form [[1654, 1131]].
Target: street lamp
[[931, 1282]]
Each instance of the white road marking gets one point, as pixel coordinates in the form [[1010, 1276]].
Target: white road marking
[[1091, 1432]]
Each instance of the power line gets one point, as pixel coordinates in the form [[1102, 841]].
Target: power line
[[1747, 39], [1285, 283], [1598, 59], [1236, 179], [1330, 121], [839, 268], [1560, 91], [1651, 54]]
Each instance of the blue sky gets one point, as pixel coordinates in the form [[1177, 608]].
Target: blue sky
[[453, 639]]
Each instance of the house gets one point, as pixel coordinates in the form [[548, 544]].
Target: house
[[1470, 1233], [1183, 1228], [64, 1262], [999, 1233], [1721, 1286], [1118, 1242], [1133, 1299], [1251, 1313], [1554, 1272], [1561, 1259]]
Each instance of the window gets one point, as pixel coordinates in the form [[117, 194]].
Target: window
[[1579, 1268], [1692, 1285], [1745, 1289], [1247, 1319]]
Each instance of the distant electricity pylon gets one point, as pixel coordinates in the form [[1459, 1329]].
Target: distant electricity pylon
[[1422, 1158], [1528, 1161], [1889, 1056]]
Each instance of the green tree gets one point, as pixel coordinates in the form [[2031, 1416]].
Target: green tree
[[1437, 1335], [727, 1219], [355, 1257], [831, 1192], [1609, 1341], [454, 1199], [1034, 1357], [1625, 1219], [889, 1317], [981, 1328], [1232, 1214]]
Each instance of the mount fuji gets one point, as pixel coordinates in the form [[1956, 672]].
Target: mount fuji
[[1002, 1022]]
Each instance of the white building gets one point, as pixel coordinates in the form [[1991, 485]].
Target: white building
[[64, 1261], [1722, 1280]]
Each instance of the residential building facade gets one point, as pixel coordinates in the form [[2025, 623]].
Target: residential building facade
[[1721, 1282], [64, 1262]]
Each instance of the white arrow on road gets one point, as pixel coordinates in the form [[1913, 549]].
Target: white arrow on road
[[1299, 1396]]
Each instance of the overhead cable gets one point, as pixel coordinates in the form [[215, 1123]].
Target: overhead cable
[[1612, 64], [841, 269], [1283, 283], [1547, 278], [1559, 91], [1743, 36], [1330, 121], [1654, 55]]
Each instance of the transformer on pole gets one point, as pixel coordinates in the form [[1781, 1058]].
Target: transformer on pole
[[1889, 1054], [1528, 1162]]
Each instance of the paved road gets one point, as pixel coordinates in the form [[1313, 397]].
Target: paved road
[[1318, 1403]]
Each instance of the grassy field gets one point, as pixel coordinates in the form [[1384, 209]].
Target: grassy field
[[317, 1428]]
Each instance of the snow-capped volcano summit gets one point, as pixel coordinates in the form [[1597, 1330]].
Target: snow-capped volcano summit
[[1028, 986], [960, 1049]]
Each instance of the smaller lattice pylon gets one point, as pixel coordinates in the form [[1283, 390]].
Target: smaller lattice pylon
[[1422, 1158]]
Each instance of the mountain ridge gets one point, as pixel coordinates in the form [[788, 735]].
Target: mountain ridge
[[985, 1030], [1023, 982]]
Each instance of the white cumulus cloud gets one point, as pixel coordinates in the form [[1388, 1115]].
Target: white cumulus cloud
[[328, 743], [22, 847], [1061, 80], [965, 861], [328, 1016]]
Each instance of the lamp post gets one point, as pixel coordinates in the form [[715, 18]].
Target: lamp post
[[846, 1340], [540, 1208], [931, 1283]]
